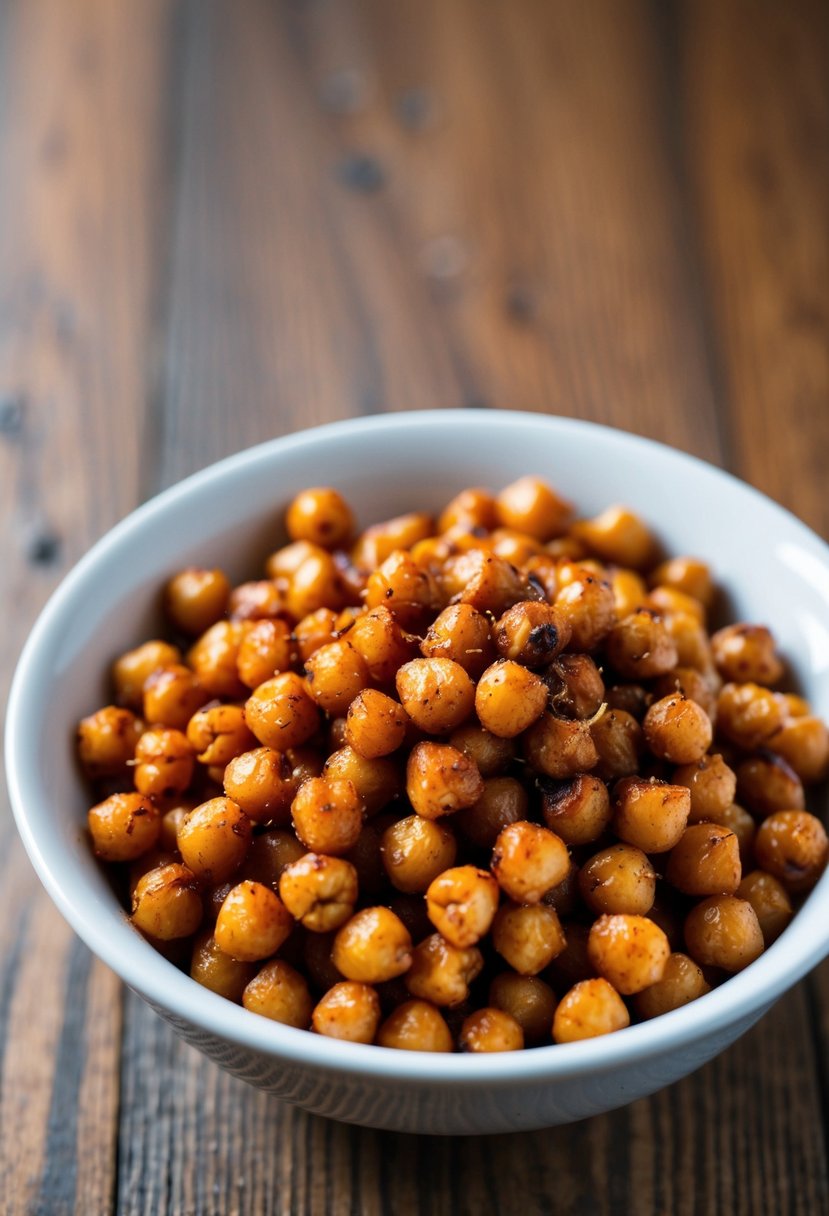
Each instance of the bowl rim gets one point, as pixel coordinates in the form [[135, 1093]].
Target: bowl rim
[[743, 997]]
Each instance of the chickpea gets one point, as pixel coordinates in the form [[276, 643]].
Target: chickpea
[[651, 815], [166, 903], [528, 1000], [713, 786], [576, 686], [280, 712], [348, 1011], [472, 508], [702, 687], [261, 782], [514, 547], [618, 536], [504, 801], [629, 592], [265, 650], [194, 599], [316, 583], [770, 901], [280, 993], [124, 826], [490, 1030], [691, 640], [377, 636], [214, 839], [377, 781], [629, 951], [682, 982], [219, 734], [282, 565], [380, 541], [640, 647], [410, 594], [164, 763], [437, 694], [559, 748], [619, 879], [485, 582], [319, 891], [767, 783], [619, 742], [794, 705], [375, 724], [528, 936], [414, 851], [214, 657], [107, 740], [441, 973], [677, 730], [746, 653], [415, 1026], [171, 821], [461, 634], [632, 699], [490, 753], [804, 743], [589, 605], [373, 946], [269, 856], [528, 861], [531, 633], [327, 815], [576, 809], [705, 861], [591, 1008], [171, 697], [321, 516], [792, 846], [461, 904], [686, 574], [509, 698], [335, 674], [262, 600], [252, 923], [530, 505], [132, 669], [737, 820], [541, 572], [314, 631], [723, 931], [441, 780], [213, 969], [748, 715], [668, 601]]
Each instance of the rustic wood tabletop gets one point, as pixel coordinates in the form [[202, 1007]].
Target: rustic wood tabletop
[[223, 220]]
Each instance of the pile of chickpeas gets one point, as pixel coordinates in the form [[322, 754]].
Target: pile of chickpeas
[[477, 782]]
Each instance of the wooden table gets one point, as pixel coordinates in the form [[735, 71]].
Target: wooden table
[[227, 219]]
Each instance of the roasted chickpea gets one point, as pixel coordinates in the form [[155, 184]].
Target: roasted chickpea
[[713, 786], [767, 783], [485, 582], [441, 973], [194, 599], [265, 650], [280, 993], [414, 851], [281, 713], [738, 821], [373, 946], [214, 839], [490, 1030], [677, 730], [415, 1026], [171, 821], [409, 593], [461, 904], [746, 653], [316, 583], [171, 697], [472, 508], [282, 565], [629, 592], [576, 809], [504, 801], [509, 698], [261, 781], [348, 1011], [437, 694], [314, 631], [269, 855], [576, 686], [335, 674], [668, 601], [530, 505], [214, 657], [213, 969], [723, 931], [691, 640], [588, 604], [748, 715], [682, 982], [619, 879], [792, 846], [327, 815], [375, 724], [528, 861], [322, 516], [804, 743], [131, 670], [441, 780], [377, 636], [633, 699], [319, 891], [700, 686], [531, 633], [651, 815], [770, 901], [591, 1008], [629, 951], [262, 600], [461, 634], [618, 536], [380, 541], [514, 547], [528, 936], [558, 747], [166, 903], [686, 574], [619, 742], [107, 740], [528, 1000], [376, 781], [124, 826], [705, 861], [490, 753], [640, 647], [164, 763], [219, 734], [252, 923]]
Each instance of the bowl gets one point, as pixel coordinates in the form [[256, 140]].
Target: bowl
[[772, 567]]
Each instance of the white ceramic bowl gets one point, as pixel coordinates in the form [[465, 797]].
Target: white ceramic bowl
[[774, 569]]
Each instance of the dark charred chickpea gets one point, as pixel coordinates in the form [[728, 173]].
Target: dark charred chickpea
[[531, 633], [219, 734], [702, 687], [530, 505], [415, 1026], [559, 748], [619, 742], [461, 904], [485, 582], [166, 903], [348, 1011], [335, 674], [628, 951], [576, 686], [682, 982], [378, 637], [261, 600], [686, 574], [280, 712], [509, 698], [576, 809], [437, 694], [265, 650], [280, 993], [171, 697], [214, 839], [372, 947], [124, 826], [461, 634], [504, 801], [164, 763], [723, 931], [261, 781], [107, 740], [748, 715], [588, 604], [629, 592], [473, 507], [213, 969], [490, 1030], [252, 923], [269, 855], [441, 973], [770, 901], [322, 516], [316, 583], [651, 815], [528, 861], [639, 647], [376, 781], [619, 879], [541, 571], [705, 861], [410, 594], [491, 753], [132, 669], [792, 846], [804, 743], [214, 657], [746, 653], [618, 536], [528, 936], [375, 724], [319, 891], [677, 730], [591, 1008], [414, 851], [528, 1000], [713, 786], [441, 780], [327, 815], [767, 783]]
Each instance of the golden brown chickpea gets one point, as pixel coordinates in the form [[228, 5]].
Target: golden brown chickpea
[[686, 574], [214, 657], [804, 743], [194, 599], [107, 740], [619, 879], [702, 687], [322, 516], [377, 636], [441, 973], [576, 809], [380, 541], [373, 946], [530, 505], [713, 786], [316, 583], [261, 781], [252, 923], [214, 839], [132, 669], [265, 650], [441, 780], [334, 676], [770, 901], [415, 1026], [723, 931], [682, 982], [319, 891], [591, 1008], [281, 713], [541, 572], [528, 861], [651, 815], [377, 782], [219, 734], [124, 826], [639, 647], [472, 508], [746, 653], [348, 1011], [171, 820], [691, 640], [461, 634], [269, 856], [528, 936], [737, 820], [485, 582], [767, 783], [461, 904], [490, 753], [327, 815], [314, 631], [490, 1030], [705, 861], [531, 633], [437, 694], [668, 601], [677, 730], [618, 536], [375, 724], [414, 851], [589, 605], [792, 846], [166, 903], [171, 697], [410, 594], [282, 565], [558, 747], [528, 1000], [619, 743], [794, 705], [748, 715], [576, 686], [628, 951], [629, 592], [509, 698], [213, 969], [514, 547], [504, 801], [280, 993], [164, 763], [262, 600]]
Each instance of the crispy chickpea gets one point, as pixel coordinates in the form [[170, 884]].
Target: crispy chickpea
[[651, 815], [504, 801], [280, 993], [713, 786], [633, 699], [723, 931], [668, 601], [322, 516], [441, 973], [576, 809], [414, 851], [252, 923], [770, 901], [265, 650], [171, 821], [576, 686], [437, 694], [748, 715], [682, 982], [261, 781], [378, 637], [705, 861], [348, 1011], [124, 826], [528, 936], [314, 631], [629, 592], [171, 697], [691, 640], [213, 969], [316, 583], [376, 781], [107, 740], [473, 508], [441, 780], [219, 734], [639, 646], [490, 752], [737, 820], [132, 669], [485, 582], [461, 634], [335, 674], [415, 1026], [409, 593], [214, 839], [702, 687], [166, 903], [746, 653], [164, 763], [461, 904], [214, 657], [618, 536], [281, 713], [194, 599], [327, 815], [677, 730], [269, 856], [375, 724], [767, 783], [619, 879], [591, 1008], [619, 743], [380, 541], [629, 951], [373, 946], [589, 605], [490, 1030], [261, 600], [282, 565], [509, 698], [528, 861], [515, 547], [795, 705], [531, 633], [558, 747], [792, 846], [804, 743], [530, 505], [686, 574], [319, 891], [528, 1000]]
